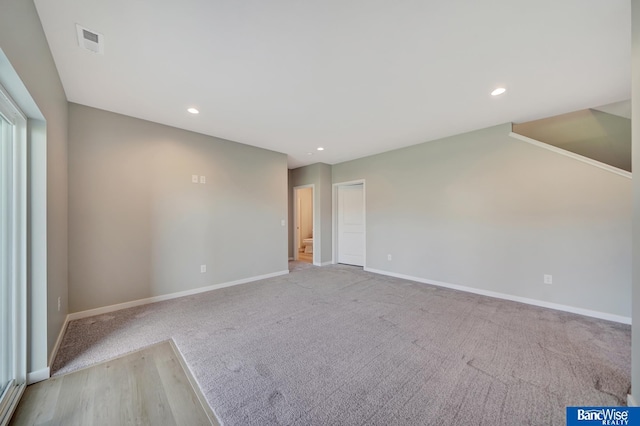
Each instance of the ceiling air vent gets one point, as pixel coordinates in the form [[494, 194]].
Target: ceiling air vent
[[90, 40]]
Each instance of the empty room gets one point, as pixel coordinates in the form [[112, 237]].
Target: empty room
[[319, 213]]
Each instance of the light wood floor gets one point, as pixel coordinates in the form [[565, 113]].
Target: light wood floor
[[305, 257], [149, 387]]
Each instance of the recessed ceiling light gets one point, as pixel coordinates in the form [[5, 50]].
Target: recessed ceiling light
[[320, 148], [193, 111], [498, 91], [309, 153]]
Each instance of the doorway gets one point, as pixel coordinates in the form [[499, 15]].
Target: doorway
[[349, 221], [304, 242]]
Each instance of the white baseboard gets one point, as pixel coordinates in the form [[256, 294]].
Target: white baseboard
[[526, 300], [37, 376], [631, 402], [326, 263], [54, 352], [139, 302]]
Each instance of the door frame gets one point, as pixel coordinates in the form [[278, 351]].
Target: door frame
[[296, 214], [334, 218]]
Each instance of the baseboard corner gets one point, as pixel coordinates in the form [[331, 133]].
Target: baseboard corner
[[56, 347], [631, 402], [38, 376]]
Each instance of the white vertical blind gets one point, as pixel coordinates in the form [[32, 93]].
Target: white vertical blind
[[6, 355], [13, 255]]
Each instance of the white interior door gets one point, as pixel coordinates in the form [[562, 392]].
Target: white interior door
[[351, 224]]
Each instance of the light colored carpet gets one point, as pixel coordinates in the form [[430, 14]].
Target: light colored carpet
[[336, 345]]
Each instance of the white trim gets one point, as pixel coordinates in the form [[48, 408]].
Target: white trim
[[291, 258], [38, 376], [10, 109], [573, 155], [326, 263], [334, 218], [526, 300], [140, 302], [631, 402], [56, 347]]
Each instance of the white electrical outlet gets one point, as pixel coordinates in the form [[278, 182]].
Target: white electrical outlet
[[203, 179], [59, 303], [194, 178], [203, 268], [282, 222], [548, 279], [388, 257]]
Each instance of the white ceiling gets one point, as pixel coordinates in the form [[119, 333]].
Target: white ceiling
[[357, 77]]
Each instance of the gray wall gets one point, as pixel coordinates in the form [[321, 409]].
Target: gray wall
[[139, 227], [318, 174], [635, 137], [23, 42], [326, 219], [290, 236], [488, 211]]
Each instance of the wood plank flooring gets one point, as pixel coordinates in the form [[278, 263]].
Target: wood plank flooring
[[152, 386], [305, 257]]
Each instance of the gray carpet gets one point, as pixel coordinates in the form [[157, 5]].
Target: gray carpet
[[336, 345]]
